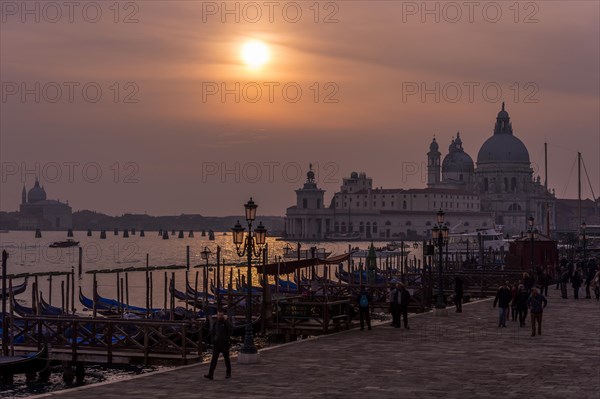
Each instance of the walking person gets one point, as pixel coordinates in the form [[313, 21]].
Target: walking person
[[527, 282], [576, 281], [513, 309], [536, 303], [403, 302], [394, 308], [521, 304], [564, 279], [503, 298], [596, 284], [544, 282], [364, 300], [458, 293], [588, 280], [220, 332]]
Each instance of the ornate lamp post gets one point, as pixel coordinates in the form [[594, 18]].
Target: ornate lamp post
[[532, 233], [439, 234], [583, 238], [205, 254], [249, 245]]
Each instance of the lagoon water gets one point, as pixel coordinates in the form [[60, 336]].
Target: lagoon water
[[33, 255]]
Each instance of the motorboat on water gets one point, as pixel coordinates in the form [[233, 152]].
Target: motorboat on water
[[64, 244], [491, 239]]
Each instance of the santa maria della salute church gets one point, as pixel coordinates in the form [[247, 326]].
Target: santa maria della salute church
[[499, 190]]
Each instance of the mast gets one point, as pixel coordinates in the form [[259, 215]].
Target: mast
[[546, 166], [579, 184]]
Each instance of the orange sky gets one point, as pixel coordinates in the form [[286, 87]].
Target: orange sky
[[185, 144]]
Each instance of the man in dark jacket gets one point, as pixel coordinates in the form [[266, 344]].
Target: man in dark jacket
[[458, 293], [394, 309], [364, 300], [220, 332], [576, 281], [536, 303], [503, 299], [403, 302]]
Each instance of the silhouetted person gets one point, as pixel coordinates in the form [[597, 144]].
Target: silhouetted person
[[521, 304], [220, 332], [536, 303], [458, 293], [564, 279], [364, 300], [403, 302], [576, 281], [394, 308], [544, 282], [503, 298]]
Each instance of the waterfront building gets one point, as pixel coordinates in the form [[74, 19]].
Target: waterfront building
[[37, 212], [499, 191]]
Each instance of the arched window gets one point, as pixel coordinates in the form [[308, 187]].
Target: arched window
[[343, 227], [403, 204], [513, 184], [460, 177], [374, 227], [388, 223], [506, 184], [486, 184], [514, 207], [361, 227], [336, 227]]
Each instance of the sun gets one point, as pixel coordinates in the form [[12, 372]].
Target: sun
[[255, 54]]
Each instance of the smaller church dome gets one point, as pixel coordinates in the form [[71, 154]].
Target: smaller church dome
[[37, 193], [434, 147], [354, 175]]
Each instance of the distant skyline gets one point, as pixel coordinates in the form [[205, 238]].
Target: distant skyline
[[166, 143]]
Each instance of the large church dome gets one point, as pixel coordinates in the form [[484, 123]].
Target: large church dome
[[37, 193], [503, 146], [457, 159]]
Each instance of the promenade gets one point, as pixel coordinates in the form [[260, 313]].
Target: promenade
[[462, 356]]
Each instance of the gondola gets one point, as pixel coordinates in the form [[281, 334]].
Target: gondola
[[105, 305], [24, 364], [17, 289], [355, 278]]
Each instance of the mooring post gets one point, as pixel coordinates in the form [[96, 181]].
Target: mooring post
[[4, 299], [50, 289], [80, 269]]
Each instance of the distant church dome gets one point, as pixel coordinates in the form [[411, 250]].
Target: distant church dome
[[354, 175], [37, 193], [457, 159], [503, 146]]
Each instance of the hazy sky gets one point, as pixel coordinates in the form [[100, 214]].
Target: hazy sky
[[377, 81]]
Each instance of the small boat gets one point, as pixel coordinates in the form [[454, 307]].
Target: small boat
[[24, 364], [64, 244]]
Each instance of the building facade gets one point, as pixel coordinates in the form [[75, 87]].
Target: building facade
[[37, 212], [499, 191]]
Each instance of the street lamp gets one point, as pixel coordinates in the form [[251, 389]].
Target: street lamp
[[439, 234], [205, 254], [249, 245], [532, 233], [583, 238]]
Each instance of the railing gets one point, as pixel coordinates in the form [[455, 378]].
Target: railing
[[136, 338], [296, 314]]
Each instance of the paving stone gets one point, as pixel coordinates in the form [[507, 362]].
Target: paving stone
[[461, 356]]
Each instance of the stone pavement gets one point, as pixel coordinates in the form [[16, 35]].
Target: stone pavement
[[461, 356]]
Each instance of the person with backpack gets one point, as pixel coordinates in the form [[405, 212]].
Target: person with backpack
[[536, 303], [364, 300], [403, 302]]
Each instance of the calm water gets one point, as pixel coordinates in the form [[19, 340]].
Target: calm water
[[30, 255]]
